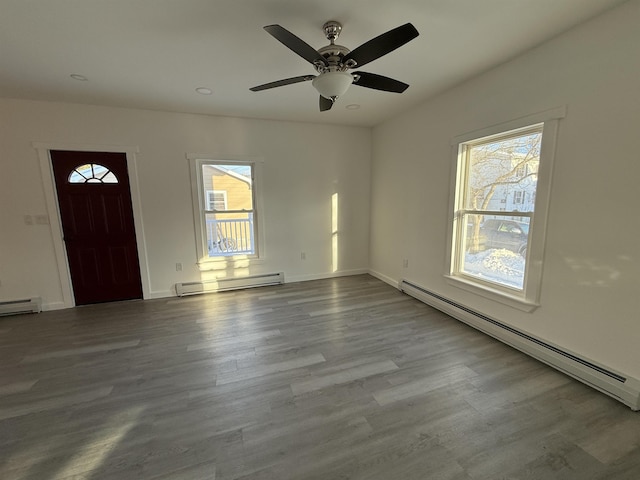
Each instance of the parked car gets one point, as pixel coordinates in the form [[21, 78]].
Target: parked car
[[508, 234]]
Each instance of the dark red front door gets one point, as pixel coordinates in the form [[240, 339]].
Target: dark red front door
[[97, 222]]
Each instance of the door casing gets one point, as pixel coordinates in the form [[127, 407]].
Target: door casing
[[48, 185]]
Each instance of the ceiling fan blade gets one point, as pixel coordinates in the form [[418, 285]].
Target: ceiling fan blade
[[378, 82], [325, 104], [299, 46], [382, 44], [280, 83]]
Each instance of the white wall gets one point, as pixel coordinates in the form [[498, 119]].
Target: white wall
[[590, 300], [304, 165]]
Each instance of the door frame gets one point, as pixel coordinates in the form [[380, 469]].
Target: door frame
[[53, 210]]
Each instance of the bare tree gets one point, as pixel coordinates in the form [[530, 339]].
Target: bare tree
[[513, 161]]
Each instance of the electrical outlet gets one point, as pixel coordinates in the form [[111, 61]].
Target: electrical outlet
[[405, 263], [178, 267], [303, 255]]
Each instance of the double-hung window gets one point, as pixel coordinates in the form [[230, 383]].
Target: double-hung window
[[224, 199], [499, 214]]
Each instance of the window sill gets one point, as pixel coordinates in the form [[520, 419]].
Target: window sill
[[494, 294]]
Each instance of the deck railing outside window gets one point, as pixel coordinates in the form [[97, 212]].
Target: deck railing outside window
[[230, 236]]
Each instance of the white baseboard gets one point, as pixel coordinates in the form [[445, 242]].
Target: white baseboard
[[53, 306], [160, 294], [385, 279]]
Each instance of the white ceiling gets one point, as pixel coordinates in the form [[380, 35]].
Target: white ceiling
[[153, 54]]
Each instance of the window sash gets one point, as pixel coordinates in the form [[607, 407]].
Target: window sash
[[206, 261], [509, 284], [463, 191]]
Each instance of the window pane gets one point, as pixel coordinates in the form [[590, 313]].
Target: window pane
[[227, 187], [503, 174], [229, 233], [99, 171], [109, 178], [92, 173], [495, 248]]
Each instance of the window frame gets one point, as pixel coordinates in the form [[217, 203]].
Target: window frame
[[528, 298], [200, 204]]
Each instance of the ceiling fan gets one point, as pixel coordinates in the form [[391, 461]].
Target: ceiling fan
[[333, 61]]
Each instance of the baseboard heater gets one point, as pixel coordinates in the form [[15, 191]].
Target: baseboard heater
[[235, 283], [614, 384], [26, 305]]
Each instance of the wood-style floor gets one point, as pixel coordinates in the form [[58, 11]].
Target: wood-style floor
[[343, 378]]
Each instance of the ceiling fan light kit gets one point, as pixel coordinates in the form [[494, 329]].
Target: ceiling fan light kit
[[332, 85], [333, 61]]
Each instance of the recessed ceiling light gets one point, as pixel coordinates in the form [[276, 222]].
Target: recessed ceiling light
[[352, 106], [204, 91], [77, 76]]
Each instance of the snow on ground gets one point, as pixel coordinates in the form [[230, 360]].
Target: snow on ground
[[496, 265]]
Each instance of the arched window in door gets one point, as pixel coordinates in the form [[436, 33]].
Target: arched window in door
[[92, 173]]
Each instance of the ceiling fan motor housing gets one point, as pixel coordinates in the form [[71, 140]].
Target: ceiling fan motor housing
[[332, 53]]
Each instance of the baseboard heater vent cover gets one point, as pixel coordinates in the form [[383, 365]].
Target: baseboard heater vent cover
[[26, 305], [222, 284], [614, 384]]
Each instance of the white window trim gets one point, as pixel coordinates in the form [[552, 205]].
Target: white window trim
[[196, 160], [529, 298]]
